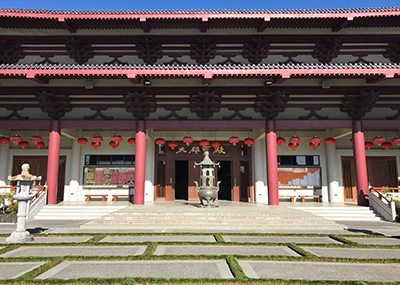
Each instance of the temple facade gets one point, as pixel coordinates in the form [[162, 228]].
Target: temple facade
[[105, 104]]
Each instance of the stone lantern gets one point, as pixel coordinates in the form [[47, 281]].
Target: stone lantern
[[207, 190], [23, 195]]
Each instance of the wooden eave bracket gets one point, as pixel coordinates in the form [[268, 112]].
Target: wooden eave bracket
[[133, 78], [342, 24], [144, 25], [204, 25], [66, 25], [38, 79], [207, 79], [281, 79], [264, 24]]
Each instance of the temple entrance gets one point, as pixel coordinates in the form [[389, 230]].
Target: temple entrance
[[181, 179], [224, 174]]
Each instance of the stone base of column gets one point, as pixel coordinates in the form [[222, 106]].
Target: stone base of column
[[20, 237]]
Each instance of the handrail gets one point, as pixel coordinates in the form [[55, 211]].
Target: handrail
[[384, 188], [41, 189], [379, 190]]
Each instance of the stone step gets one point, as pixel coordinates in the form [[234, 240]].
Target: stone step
[[54, 212], [342, 213]]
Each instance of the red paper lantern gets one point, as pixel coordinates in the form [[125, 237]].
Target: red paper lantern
[[234, 140], [248, 141], [132, 141], [293, 146], [82, 141], [97, 140], [280, 141], [316, 141], [330, 141], [351, 140], [160, 142], [215, 145], [369, 144], [95, 145], [36, 139], [16, 139], [387, 145], [313, 145], [23, 144], [173, 145], [295, 140], [117, 139], [113, 144], [204, 142], [396, 141], [378, 140], [187, 140], [39, 145], [4, 140]]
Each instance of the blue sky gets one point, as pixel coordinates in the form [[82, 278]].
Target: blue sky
[[193, 4]]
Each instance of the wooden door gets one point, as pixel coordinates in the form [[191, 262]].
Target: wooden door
[[194, 175], [38, 167], [160, 180], [382, 171], [349, 178]]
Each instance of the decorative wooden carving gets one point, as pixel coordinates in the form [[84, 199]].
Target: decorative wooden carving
[[256, 51], [356, 106], [328, 50], [271, 104], [173, 113], [10, 53], [237, 110], [54, 105], [14, 113], [205, 104], [202, 51], [140, 104], [313, 113], [149, 51], [98, 113], [78, 50], [393, 52]]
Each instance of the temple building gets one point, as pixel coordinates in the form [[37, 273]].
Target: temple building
[[106, 104]]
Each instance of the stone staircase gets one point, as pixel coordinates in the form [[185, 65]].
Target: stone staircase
[[57, 212], [348, 213], [220, 219]]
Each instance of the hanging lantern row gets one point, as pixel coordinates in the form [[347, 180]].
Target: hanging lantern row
[[114, 143], [204, 143], [16, 139], [294, 142]]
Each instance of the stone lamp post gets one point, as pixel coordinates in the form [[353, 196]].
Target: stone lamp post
[[23, 195], [207, 190]]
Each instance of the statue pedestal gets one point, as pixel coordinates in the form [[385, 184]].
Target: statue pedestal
[[20, 234]]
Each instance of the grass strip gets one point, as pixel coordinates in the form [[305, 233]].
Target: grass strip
[[150, 249], [301, 251], [8, 248], [235, 268], [37, 271], [343, 240], [219, 238], [96, 238]]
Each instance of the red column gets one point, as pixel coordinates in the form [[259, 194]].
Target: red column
[[272, 163], [140, 162], [361, 164], [52, 162]]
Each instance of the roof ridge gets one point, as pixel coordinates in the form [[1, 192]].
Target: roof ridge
[[221, 11]]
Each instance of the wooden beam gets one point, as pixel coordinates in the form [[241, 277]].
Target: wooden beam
[[264, 24], [204, 25], [375, 79], [133, 79], [207, 79], [144, 25], [342, 24], [36, 78], [279, 80], [66, 25]]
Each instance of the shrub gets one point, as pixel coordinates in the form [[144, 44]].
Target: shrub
[[6, 198]]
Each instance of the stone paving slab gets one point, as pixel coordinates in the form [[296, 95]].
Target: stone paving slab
[[155, 268], [176, 238], [321, 270], [377, 241], [281, 239], [222, 250], [65, 239], [11, 270], [46, 251], [354, 252]]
